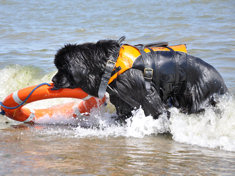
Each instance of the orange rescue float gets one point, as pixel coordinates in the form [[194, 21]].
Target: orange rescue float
[[24, 114]]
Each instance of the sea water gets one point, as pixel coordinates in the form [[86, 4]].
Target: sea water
[[199, 144]]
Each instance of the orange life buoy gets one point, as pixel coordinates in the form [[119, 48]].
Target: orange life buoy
[[24, 114]]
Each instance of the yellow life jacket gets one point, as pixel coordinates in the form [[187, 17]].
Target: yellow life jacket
[[128, 54]]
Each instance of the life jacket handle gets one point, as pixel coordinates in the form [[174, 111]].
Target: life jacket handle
[[158, 44]]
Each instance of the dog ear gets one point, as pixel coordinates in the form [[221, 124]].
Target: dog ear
[[121, 40]]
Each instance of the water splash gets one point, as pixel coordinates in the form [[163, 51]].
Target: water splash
[[140, 125], [213, 128]]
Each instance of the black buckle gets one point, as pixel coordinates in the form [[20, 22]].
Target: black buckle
[[111, 62], [110, 65], [148, 73]]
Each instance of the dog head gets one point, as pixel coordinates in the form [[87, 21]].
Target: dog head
[[83, 65]]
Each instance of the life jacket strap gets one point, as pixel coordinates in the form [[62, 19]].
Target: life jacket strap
[[106, 76], [108, 71], [158, 44], [149, 66]]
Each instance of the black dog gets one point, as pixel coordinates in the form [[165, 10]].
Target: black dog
[[171, 78]]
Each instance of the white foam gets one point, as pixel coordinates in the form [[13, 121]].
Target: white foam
[[140, 125], [210, 129]]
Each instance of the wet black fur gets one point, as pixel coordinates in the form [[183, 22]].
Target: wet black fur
[[83, 66]]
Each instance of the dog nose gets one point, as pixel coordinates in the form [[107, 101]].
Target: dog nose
[[54, 79]]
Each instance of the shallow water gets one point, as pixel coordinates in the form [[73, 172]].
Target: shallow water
[[30, 34], [41, 150]]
